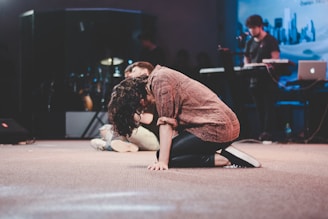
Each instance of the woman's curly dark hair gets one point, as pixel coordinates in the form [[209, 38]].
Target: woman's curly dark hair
[[125, 102]]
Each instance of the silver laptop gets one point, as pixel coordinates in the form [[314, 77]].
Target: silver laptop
[[312, 70]]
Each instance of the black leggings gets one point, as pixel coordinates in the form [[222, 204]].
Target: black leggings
[[187, 150]]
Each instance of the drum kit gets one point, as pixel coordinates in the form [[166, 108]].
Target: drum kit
[[93, 86]]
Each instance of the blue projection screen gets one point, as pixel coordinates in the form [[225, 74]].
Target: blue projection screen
[[300, 26]]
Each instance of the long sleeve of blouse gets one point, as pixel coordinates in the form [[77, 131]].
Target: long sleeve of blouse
[[188, 105]]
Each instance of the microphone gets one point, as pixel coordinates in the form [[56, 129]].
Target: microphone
[[242, 36]]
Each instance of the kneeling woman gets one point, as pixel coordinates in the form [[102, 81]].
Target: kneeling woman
[[196, 128]]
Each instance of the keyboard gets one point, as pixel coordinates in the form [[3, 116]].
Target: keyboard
[[279, 61]]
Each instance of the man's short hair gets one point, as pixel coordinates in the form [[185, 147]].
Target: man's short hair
[[141, 64], [254, 21]]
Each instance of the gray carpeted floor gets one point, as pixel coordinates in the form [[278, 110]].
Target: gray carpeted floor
[[69, 179]]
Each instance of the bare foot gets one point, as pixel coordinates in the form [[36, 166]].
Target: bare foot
[[123, 146], [220, 161]]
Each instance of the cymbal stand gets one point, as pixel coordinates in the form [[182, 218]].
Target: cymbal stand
[[103, 99]]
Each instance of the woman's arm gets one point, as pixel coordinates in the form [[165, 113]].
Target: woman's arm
[[165, 139], [146, 118]]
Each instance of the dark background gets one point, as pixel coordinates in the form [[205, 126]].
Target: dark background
[[51, 47], [192, 25], [40, 53]]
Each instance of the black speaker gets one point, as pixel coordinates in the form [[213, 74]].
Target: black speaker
[[11, 132]]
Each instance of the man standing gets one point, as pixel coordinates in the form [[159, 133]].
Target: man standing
[[261, 46]]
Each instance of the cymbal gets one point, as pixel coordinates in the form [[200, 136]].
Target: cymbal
[[108, 61]]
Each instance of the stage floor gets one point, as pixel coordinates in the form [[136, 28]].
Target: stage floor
[[69, 179]]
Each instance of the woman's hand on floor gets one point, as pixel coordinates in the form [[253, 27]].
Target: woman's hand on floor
[[158, 166]]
